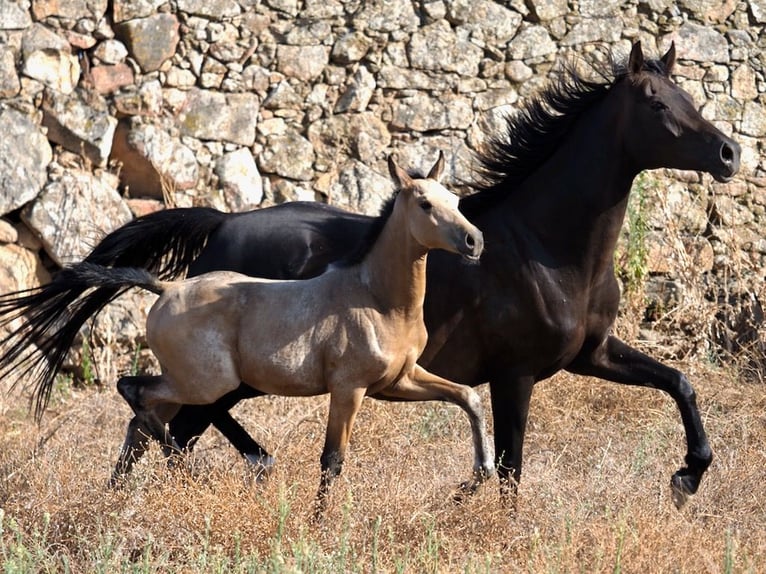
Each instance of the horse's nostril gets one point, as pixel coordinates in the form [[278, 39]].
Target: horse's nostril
[[727, 153], [469, 241]]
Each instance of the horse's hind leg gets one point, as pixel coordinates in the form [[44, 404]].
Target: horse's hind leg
[[421, 385], [136, 441], [343, 409]]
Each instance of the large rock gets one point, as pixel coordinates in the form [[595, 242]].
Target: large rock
[[129, 9], [422, 113], [153, 163], [289, 155], [214, 9], [73, 213], [57, 69], [13, 16], [699, 43], [151, 40], [437, 47], [72, 9], [24, 157], [304, 63], [361, 188], [9, 80], [20, 269], [80, 122], [210, 115], [239, 180]]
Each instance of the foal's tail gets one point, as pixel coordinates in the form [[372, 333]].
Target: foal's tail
[[164, 243]]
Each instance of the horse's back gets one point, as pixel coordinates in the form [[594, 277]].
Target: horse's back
[[294, 240]]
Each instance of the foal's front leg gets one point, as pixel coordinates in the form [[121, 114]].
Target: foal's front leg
[[420, 385], [343, 408]]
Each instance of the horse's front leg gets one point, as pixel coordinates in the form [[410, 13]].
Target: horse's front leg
[[615, 361], [510, 399], [420, 385], [344, 405]]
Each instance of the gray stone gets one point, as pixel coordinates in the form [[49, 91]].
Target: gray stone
[[594, 30], [398, 78], [289, 155], [437, 47], [754, 120], [699, 43], [111, 51], [389, 16], [13, 16], [55, 68], [758, 10], [600, 8], [305, 63], [81, 123], [350, 47], [532, 42], [73, 213], [151, 40], [490, 21], [9, 80], [336, 138], [358, 92], [214, 9], [420, 112], [239, 180], [361, 188], [39, 37], [210, 115], [549, 9], [130, 9], [24, 157], [289, 7]]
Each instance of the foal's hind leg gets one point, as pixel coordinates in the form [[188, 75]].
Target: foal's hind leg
[[421, 385], [146, 424]]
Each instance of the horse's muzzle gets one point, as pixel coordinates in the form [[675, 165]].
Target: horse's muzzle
[[473, 245]]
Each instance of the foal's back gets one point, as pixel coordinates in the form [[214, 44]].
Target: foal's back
[[284, 337]]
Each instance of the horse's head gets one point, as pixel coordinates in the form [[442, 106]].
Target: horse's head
[[662, 125], [432, 212]]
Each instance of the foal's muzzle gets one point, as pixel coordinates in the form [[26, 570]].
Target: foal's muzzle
[[473, 245]]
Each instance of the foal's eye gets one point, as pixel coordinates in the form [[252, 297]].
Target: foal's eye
[[425, 205]]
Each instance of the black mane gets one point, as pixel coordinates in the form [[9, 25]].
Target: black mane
[[535, 132]]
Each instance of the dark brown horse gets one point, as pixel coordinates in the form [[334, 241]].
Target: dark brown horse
[[544, 297]]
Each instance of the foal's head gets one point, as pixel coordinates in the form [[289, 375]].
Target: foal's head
[[432, 212]]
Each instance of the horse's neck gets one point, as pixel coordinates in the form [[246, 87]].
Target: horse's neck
[[394, 270], [580, 195]]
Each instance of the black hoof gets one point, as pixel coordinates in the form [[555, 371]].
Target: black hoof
[[683, 485]]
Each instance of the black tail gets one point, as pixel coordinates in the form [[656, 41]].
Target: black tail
[[164, 243]]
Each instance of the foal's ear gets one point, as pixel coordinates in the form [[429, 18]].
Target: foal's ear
[[401, 178], [636, 60], [669, 59], [438, 169]]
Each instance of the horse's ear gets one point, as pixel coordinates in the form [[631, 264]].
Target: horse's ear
[[669, 59], [438, 169], [636, 60], [401, 178]]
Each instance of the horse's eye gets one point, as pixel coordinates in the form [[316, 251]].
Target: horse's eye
[[425, 205], [658, 106]]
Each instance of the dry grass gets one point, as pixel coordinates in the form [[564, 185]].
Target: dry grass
[[594, 498]]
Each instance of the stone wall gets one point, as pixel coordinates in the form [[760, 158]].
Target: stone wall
[[111, 109]]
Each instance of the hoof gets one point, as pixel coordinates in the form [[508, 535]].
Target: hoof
[[261, 465], [682, 486]]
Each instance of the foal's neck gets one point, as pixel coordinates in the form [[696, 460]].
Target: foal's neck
[[394, 270]]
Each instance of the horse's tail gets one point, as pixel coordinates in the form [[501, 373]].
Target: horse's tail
[[51, 317], [164, 243]]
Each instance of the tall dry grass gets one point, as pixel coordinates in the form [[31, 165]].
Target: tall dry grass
[[594, 497]]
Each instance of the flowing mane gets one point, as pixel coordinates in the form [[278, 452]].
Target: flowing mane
[[535, 132]]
